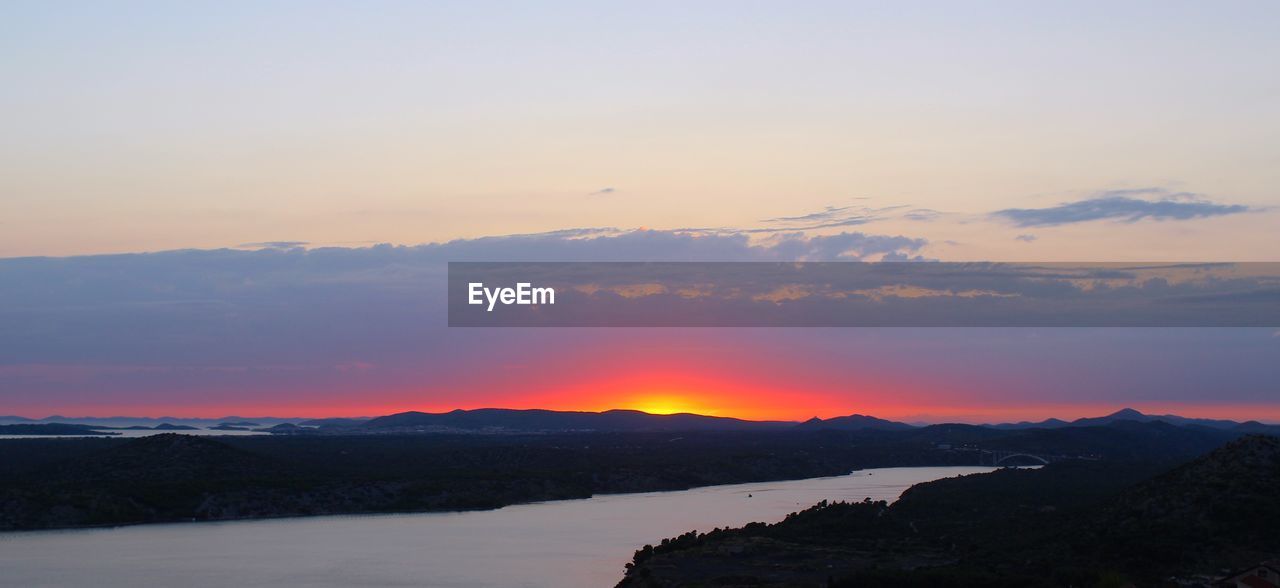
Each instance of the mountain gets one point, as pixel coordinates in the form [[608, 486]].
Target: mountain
[[503, 419], [1130, 414], [1256, 427], [334, 422], [173, 427], [159, 427], [853, 422], [1049, 423], [285, 428]]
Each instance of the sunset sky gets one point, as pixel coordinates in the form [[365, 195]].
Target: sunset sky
[[298, 174]]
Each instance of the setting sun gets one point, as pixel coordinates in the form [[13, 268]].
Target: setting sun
[[668, 404]]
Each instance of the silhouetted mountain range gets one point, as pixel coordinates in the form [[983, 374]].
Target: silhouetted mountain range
[[853, 422], [552, 420], [498, 419], [1129, 414], [334, 422], [502, 420]]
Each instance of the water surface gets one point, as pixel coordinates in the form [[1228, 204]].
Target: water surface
[[560, 544]]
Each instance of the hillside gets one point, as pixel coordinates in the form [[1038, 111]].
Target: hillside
[[1070, 523], [853, 422], [1221, 510]]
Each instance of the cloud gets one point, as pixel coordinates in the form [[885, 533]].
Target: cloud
[[832, 217], [825, 215], [238, 307], [322, 326], [922, 214], [913, 294], [1025, 238], [610, 244], [296, 322], [274, 245], [829, 217], [1121, 205], [602, 191]]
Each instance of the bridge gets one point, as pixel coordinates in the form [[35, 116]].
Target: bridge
[[997, 458]]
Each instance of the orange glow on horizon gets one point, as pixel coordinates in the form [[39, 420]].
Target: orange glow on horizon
[[698, 390], [663, 403]]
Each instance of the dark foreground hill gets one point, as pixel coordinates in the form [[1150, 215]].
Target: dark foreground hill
[[1067, 524]]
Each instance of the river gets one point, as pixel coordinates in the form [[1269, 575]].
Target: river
[[561, 544]]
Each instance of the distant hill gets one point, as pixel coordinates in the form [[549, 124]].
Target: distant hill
[[285, 428], [1130, 414], [853, 422], [334, 422], [1045, 424], [502, 419], [173, 427], [512, 420], [159, 427]]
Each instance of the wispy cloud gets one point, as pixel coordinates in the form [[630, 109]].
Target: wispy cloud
[[1025, 238], [602, 191], [274, 245], [832, 217], [922, 214], [1127, 206], [825, 215]]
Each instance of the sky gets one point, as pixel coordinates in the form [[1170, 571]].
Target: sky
[[298, 173]]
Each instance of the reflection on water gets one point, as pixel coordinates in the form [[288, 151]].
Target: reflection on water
[[554, 544]]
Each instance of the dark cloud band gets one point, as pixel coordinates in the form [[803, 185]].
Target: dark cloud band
[[1121, 205], [883, 294]]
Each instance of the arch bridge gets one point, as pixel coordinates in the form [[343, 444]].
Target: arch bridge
[[998, 458]]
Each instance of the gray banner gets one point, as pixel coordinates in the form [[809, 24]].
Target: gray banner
[[850, 294]]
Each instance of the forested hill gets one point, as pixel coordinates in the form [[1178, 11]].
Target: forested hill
[[1069, 523]]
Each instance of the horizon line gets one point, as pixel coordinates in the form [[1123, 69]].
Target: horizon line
[[908, 420]]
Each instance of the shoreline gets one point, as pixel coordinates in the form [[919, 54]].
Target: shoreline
[[14, 532]]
